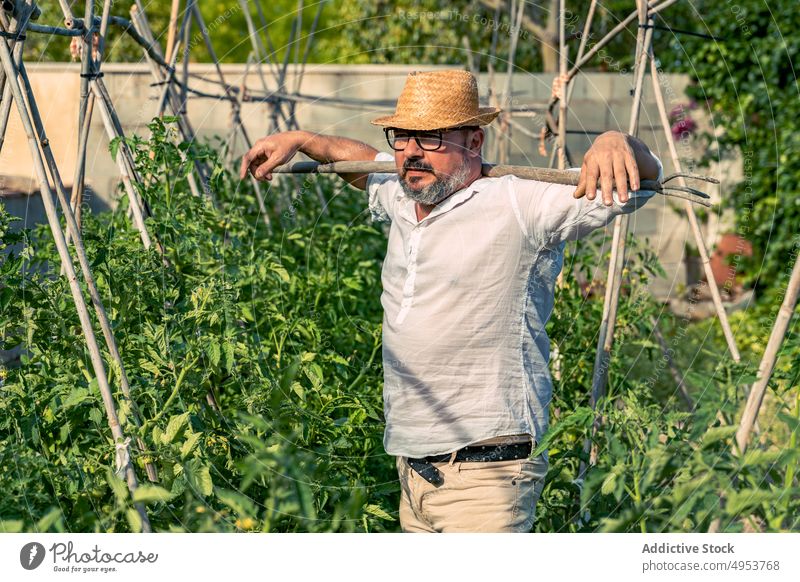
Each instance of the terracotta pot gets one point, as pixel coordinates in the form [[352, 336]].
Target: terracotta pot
[[729, 245]]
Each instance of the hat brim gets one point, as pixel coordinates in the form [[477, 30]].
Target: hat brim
[[484, 117]]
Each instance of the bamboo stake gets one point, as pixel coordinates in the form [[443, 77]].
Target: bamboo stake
[[235, 109], [15, 26], [516, 23], [86, 70], [87, 107], [492, 94], [587, 28], [124, 464], [614, 281], [258, 50], [695, 226], [173, 24], [186, 35], [73, 229], [141, 25], [307, 49], [125, 171], [562, 103], [770, 357]]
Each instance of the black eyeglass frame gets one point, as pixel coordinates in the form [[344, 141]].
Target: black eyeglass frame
[[416, 135]]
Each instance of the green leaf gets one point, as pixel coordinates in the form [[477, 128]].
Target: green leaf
[[113, 147], [242, 505], [314, 374], [189, 444], [11, 525], [228, 349], [749, 499], [376, 510], [175, 425], [118, 486], [198, 476], [281, 272], [151, 493], [718, 433], [134, 520], [213, 352], [297, 388], [150, 367], [609, 483], [75, 397], [46, 522]]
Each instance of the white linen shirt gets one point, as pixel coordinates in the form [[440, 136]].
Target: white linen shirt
[[467, 292]]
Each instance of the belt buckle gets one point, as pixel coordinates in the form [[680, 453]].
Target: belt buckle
[[427, 471]]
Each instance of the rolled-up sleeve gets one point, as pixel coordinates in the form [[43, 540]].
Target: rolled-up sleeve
[[381, 189], [553, 215]]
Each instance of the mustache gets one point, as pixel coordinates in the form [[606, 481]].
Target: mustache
[[416, 165]]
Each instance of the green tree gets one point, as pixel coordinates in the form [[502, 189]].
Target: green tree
[[749, 84]]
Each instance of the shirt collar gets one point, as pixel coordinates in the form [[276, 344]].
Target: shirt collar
[[408, 206]]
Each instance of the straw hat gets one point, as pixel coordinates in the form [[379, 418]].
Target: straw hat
[[438, 100]]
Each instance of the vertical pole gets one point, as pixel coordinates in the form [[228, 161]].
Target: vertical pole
[[125, 170], [562, 101], [614, 281], [234, 104], [74, 229], [173, 25], [140, 24], [516, 23], [690, 213], [15, 26], [76, 199], [84, 108], [767, 364], [124, 464]]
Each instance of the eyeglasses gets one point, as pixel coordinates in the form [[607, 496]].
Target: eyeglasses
[[427, 140]]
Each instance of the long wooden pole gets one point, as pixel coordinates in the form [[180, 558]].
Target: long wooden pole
[[695, 226], [562, 103], [236, 113], [15, 26], [142, 27], [124, 463], [515, 17], [767, 365], [550, 175], [173, 25], [614, 280]]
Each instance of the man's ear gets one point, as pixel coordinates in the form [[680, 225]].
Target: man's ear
[[475, 143]]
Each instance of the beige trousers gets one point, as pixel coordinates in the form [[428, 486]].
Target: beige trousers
[[496, 496]]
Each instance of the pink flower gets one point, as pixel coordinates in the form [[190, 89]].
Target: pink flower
[[683, 127]]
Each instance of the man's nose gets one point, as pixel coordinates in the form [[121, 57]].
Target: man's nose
[[413, 150]]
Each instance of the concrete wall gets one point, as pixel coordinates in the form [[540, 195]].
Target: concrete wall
[[601, 101]]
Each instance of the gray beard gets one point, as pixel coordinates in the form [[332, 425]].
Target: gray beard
[[440, 189]]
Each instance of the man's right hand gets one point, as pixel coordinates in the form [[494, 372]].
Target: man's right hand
[[269, 153], [275, 150]]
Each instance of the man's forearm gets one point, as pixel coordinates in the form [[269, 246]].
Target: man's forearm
[[332, 148]]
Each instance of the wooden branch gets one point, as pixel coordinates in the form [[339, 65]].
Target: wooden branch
[[550, 175], [531, 25], [767, 365]]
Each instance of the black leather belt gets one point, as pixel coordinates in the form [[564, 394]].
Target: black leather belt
[[474, 453]]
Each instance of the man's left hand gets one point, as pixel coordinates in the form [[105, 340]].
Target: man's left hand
[[612, 160]]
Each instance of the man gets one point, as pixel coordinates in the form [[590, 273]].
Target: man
[[468, 285]]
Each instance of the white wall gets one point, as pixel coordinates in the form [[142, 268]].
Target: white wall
[[601, 101]]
